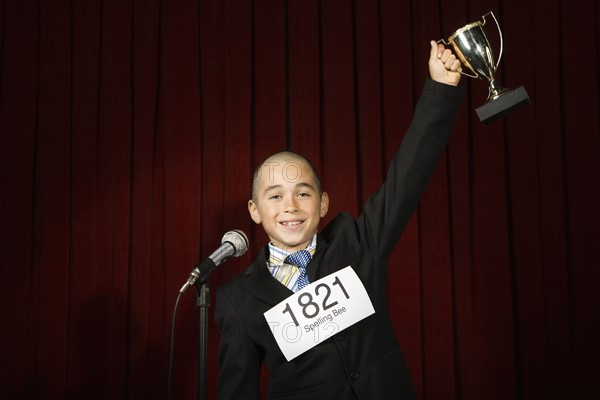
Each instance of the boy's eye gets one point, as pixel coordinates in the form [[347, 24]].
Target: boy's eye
[[275, 197], [303, 194]]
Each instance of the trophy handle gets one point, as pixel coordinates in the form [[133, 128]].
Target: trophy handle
[[500, 32], [443, 41]]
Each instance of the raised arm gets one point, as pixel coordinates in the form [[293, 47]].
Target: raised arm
[[386, 213]]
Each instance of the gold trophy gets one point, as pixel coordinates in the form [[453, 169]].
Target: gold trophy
[[473, 49]]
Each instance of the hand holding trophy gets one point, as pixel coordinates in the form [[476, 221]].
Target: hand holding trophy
[[474, 51]]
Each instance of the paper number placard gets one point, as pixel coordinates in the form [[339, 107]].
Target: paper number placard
[[318, 311]]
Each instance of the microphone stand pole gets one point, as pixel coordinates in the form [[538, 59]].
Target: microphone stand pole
[[202, 302]]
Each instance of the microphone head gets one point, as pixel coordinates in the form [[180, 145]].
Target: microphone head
[[238, 240]]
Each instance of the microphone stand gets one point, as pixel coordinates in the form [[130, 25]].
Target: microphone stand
[[202, 302]]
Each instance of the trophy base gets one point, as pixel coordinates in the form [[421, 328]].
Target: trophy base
[[503, 105]]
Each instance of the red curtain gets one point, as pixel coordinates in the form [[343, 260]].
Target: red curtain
[[129, 130]]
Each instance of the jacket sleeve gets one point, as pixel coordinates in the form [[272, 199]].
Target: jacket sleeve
[[239, 360], [387, 212]]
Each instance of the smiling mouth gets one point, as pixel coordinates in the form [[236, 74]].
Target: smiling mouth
[[291, 223]]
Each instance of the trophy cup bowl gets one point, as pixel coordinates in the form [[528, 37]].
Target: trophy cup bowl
[[473, 49]]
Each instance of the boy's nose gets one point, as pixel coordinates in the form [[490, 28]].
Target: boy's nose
[[291, 205]]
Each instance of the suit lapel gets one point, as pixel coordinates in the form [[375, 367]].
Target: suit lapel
[[262, 285], [329, 258], [315, 267]]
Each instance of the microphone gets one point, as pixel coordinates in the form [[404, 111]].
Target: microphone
[[234, 243]]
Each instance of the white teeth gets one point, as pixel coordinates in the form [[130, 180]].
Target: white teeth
[[292, 223]]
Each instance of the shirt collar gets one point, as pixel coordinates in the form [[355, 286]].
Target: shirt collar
[[277, 255]]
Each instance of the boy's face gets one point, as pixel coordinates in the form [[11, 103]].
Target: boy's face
[[287, 203]]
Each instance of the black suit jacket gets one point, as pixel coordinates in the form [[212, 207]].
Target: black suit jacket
[[363, 361]]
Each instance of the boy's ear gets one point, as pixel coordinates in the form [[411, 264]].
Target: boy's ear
[[324, 204], [253, 210]]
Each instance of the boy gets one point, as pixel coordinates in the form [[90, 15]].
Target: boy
[[364, 360]]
